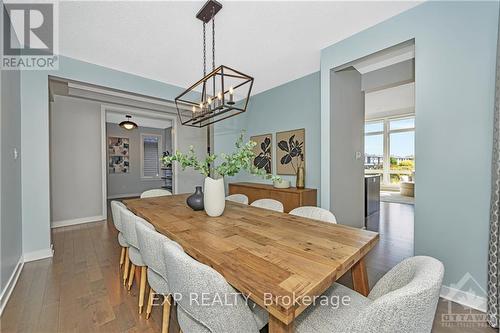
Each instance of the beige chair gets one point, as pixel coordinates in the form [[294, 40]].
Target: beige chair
[[403, 300], [315, 213], [129, 221], [116, 206], [239, 198], [270, 204], [157, 192]]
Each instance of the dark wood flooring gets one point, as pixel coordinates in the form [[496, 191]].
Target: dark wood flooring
[[79, 289]]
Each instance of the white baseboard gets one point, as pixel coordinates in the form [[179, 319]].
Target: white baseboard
[[37, 255], [126, 195], [65, 223], [9, 287], [464, 298]]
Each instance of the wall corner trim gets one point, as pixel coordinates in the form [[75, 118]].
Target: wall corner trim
[[64, 223], [9, 287], [465, 298], [37, 255]]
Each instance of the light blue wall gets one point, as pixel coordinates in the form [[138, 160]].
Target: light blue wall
[[293, 105], [10, 204], [35, 138], [455, 47]]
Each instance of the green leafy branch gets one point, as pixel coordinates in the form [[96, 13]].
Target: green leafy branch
[[232, 164]]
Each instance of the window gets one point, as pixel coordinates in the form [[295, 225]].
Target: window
[[150, 156], [374, 147], [390, 149]]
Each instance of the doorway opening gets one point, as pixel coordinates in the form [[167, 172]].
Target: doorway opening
[[87, 169], [373, 129]]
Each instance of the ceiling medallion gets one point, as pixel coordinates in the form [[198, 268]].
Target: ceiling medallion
[[220, 94]]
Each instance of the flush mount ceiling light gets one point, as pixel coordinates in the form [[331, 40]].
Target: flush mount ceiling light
[[127, 124], [220, 94]]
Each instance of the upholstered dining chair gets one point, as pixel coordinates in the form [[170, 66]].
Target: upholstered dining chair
[[315, 213], [189, 278], [150, 243], [157, 192], [270, 204], [116, 206], [240, 198], [129, 220], [403, 300]]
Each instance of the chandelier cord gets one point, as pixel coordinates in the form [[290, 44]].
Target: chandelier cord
[[204, 51], [213, 40]]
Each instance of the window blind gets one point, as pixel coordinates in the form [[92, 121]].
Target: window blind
[[151, 166]]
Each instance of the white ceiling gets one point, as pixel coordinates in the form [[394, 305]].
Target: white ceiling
[[391, 101], [275, 42], [141, 121]]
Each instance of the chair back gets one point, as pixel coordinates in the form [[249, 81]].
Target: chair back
[[270, 204], [116, 207], [129, 220], [405, 299], [315, 213], [205, 296], [240, 198], [150, 242], [157, 192]]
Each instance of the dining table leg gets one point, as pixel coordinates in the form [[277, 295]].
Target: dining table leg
[[277, 326], [360, 277]]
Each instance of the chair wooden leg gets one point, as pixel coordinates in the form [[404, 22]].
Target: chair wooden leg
[[125, 269], [149, 308], [142, 289], [122, 257], [166, 314], [131, 276]]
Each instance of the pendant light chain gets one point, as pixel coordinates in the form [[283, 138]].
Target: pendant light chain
[[204, 50], [213, 42], [213, 97], [213, 52]]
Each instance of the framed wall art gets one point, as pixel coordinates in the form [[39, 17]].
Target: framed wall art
[[290, 151]]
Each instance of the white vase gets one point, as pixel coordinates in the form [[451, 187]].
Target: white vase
[[214, 197]]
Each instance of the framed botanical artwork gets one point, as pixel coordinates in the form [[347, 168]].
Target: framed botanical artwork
[[263, 152], [290, 151], [118, 157]]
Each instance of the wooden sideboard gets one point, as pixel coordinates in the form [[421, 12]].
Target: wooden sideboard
[[290, 197]]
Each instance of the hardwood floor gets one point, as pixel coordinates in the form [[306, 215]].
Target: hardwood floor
[[79, 289]]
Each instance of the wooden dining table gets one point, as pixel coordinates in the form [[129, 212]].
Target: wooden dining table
[[276, 259]]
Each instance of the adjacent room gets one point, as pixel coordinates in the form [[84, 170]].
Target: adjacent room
[[255, 166]]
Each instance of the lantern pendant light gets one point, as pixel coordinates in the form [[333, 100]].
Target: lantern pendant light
[[220, 94], [128, 124]]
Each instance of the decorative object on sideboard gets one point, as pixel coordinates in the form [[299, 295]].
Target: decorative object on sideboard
[[220, 94], [195, 200], [290, 151], [118, 155], [282, 183], [241, 159], [262, 150], [301, 177]]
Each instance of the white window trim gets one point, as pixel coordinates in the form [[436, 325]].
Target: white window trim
[[386, 172], [160, 145]]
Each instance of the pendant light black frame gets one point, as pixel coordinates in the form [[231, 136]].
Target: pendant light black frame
[[197, 98]]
